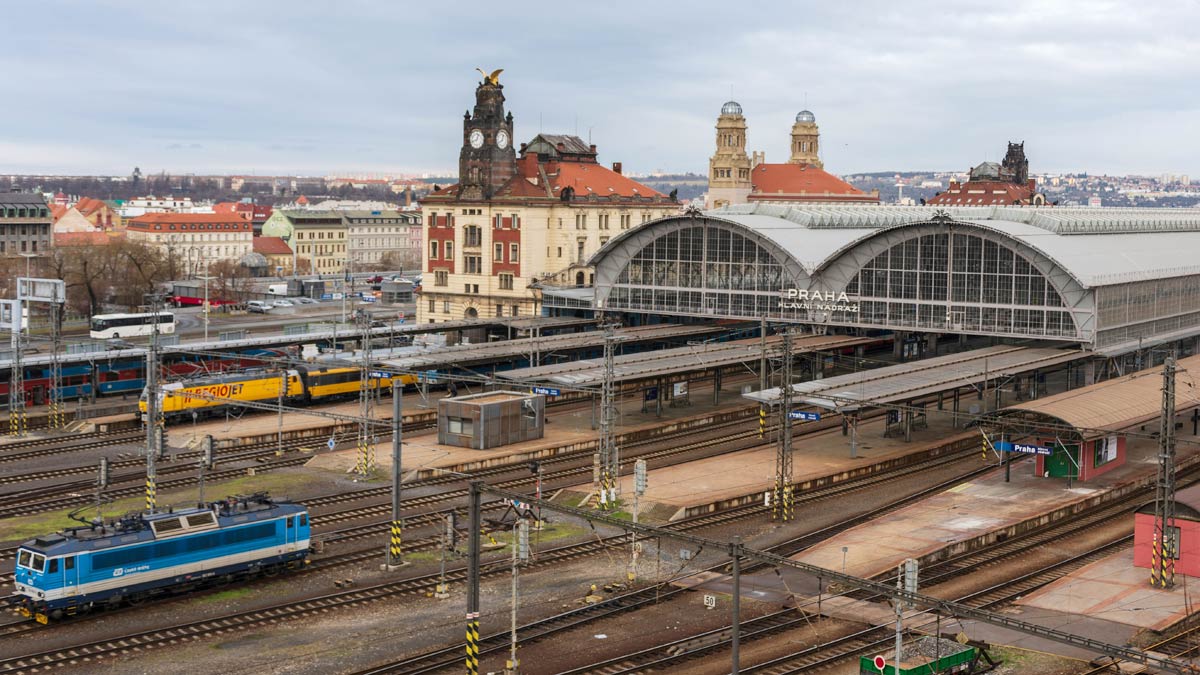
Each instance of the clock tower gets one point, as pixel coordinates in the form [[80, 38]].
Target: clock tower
[[487, 159]]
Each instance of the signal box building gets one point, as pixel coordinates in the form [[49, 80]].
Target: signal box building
[[1187, 519], [491, 419]]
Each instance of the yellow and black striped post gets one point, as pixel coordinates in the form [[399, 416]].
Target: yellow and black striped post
[[1154, 558], [762, 420], [151, 494], [394, 547], [472, 643], [984, 442], [787, 502], [1168, 575]]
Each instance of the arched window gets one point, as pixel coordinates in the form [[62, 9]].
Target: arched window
[[958, 281]]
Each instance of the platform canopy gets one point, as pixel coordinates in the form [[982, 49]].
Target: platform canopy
[[676, 360], [439, 358], [904, 382], [1112, 405]]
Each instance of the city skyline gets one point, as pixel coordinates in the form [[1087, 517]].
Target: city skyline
[[295, 90]]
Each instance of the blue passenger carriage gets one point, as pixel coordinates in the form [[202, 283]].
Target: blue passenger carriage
[[149, 554]]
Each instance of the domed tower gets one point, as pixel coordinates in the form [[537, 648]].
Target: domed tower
[[806, 138], [729, 168]]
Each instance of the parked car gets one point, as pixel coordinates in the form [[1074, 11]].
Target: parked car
[[306, 301], [259, 306], [283, 303]]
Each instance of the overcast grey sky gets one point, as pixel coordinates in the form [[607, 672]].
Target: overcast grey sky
[[355, 86]]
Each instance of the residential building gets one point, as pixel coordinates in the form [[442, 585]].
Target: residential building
[[318, 237], [992, 184], [99, 213], [376, 234], [194, 240], [277, 253], [257, 214], [69, 219], [737, 178], [25, 224], [516, 219], [331, 241]]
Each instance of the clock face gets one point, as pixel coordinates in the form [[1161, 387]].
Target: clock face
[[502, 139], [476, 138]]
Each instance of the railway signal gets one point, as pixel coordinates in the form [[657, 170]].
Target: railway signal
[[103, 477]]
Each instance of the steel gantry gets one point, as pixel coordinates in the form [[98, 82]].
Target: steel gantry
[[934, 604], [15, 314], [1165, 547], [781, 502], [366, 441], [609, 458]]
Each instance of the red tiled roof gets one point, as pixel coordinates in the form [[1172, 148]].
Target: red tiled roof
[[801, 182], [66, 239], [983, 193], [58, 210], [184, 220], [87, 205], [588, 178], [271, 246], [302, 199]]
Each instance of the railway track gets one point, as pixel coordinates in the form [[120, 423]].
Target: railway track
[[48, 447], [444, 657], [933, 574], [83, 653], [673, 655]]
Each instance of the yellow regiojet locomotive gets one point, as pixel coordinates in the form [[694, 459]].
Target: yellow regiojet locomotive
[[304, 385]]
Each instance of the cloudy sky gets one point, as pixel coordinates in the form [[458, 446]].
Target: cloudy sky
[[354, 86]]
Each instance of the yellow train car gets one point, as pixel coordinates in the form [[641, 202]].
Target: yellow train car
[[218, 392], [344, 382]]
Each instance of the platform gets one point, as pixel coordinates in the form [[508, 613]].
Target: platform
[[976, 510], [823, 456], [1114, 590]]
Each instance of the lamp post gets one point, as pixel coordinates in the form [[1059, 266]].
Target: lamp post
[[206, 279], [28, 257]]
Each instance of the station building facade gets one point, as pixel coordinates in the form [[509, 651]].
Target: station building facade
[[1110, 280]]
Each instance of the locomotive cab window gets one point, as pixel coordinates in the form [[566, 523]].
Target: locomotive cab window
[[24, 558], [69, 562], [303, 519], [290, 524], [53, 565]]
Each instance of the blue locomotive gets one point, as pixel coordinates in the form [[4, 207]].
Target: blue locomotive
[[143, 555]]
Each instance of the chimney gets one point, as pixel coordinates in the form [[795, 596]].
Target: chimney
[[408, 195], [562, 147], [523, 148], [592, 148], [616, 166]]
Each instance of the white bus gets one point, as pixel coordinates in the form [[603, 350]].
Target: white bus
[[105, 326]]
